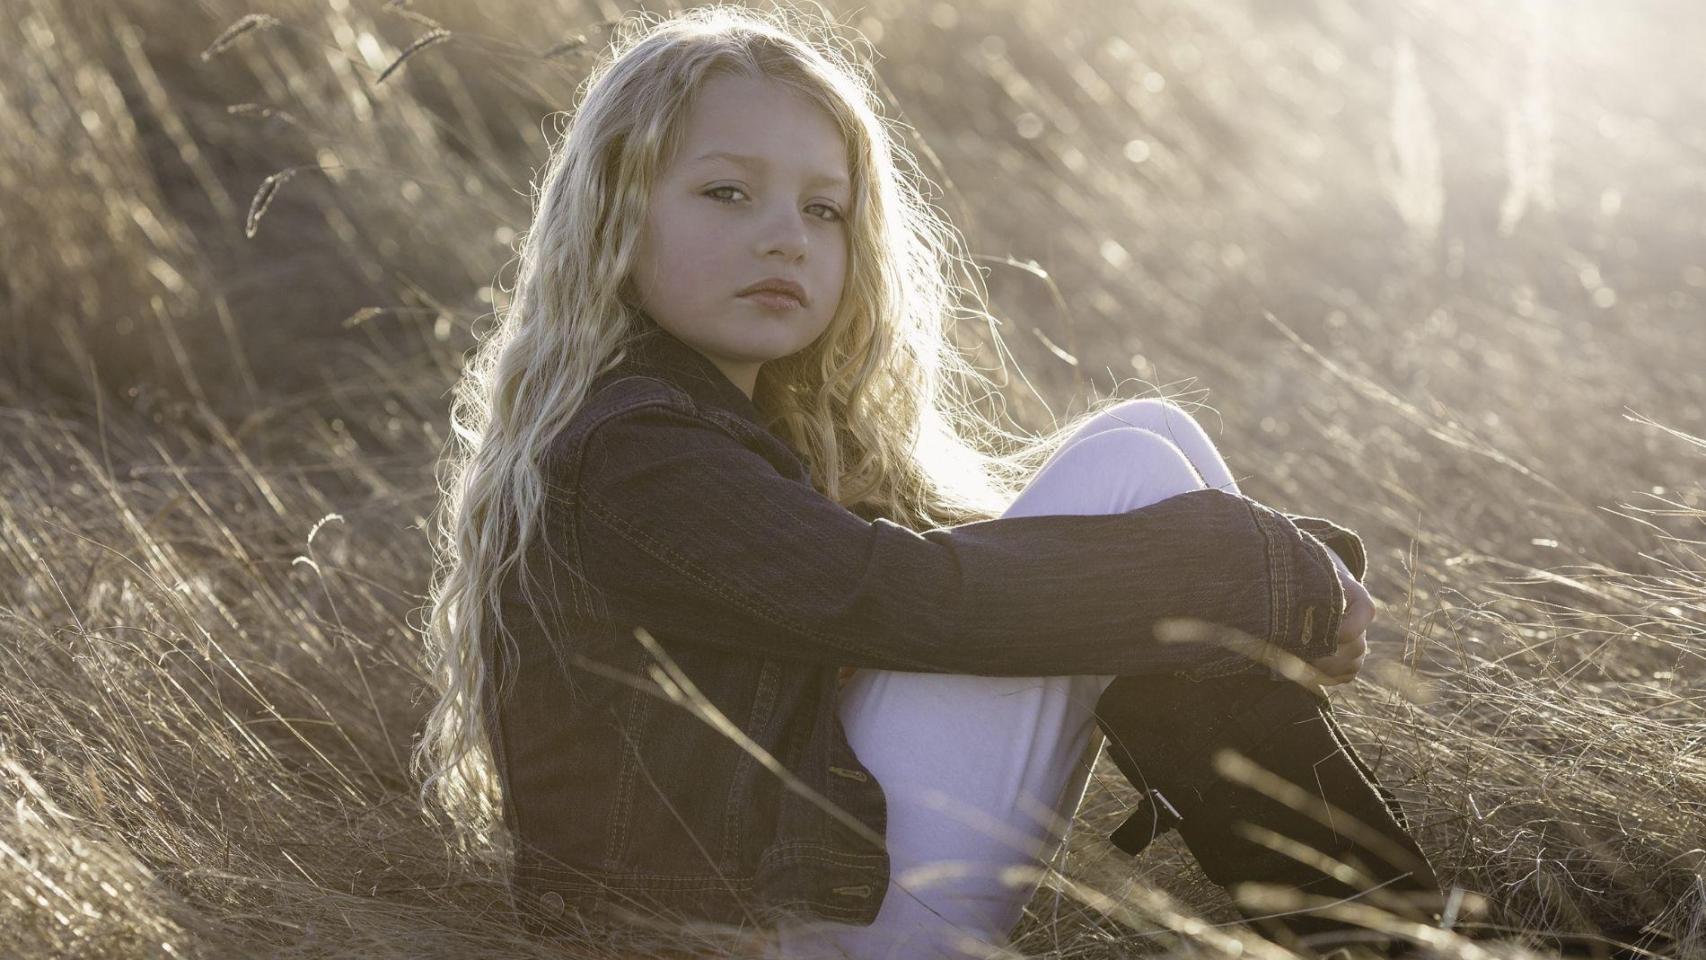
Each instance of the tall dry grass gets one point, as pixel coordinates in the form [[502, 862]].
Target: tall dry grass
[[1439, 267]]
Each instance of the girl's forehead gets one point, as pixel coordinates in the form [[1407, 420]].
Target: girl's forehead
[[757, 122]]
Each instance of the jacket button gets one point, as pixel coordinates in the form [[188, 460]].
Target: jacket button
[[858, 775], [551, 904], [861, 890]]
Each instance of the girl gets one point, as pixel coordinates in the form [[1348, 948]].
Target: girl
[[720, 448]]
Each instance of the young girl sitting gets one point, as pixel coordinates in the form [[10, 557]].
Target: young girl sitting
[[720, 454]]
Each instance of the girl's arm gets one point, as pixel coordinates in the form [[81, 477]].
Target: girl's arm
[[1341, 540], [684, 530]]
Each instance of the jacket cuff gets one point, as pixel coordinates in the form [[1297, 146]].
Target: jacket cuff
[[1307, 601], [1340, 540]]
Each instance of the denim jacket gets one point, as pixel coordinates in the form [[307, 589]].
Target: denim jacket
[[671, 506]]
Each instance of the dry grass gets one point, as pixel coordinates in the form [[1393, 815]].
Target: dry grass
[[1440, 264]]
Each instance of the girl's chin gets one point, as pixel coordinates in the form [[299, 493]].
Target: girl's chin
[[774, 340]]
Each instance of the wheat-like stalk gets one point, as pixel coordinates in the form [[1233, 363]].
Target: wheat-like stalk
[[263, 199], [249, 22], [261, 112], [422, 42], [564, 47]]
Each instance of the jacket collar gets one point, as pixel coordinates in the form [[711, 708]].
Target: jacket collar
[[659, 352]]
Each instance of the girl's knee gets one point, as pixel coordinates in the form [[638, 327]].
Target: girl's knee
[[1156, 414], [1108, 471], [1154, 466]]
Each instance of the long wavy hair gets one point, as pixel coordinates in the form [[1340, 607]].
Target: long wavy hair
[[882, 406]]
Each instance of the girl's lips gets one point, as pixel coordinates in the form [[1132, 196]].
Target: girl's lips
[[773, 299]]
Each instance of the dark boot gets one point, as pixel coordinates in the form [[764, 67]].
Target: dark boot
[[1292, 773]]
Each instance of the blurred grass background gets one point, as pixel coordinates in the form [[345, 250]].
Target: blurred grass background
[[1432, 269]]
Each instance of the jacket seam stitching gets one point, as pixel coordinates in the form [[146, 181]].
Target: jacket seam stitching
[[1279, 610], [616, 836], [762, 707]]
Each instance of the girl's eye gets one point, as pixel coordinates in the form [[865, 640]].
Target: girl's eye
[[837, 213], [834, 219]]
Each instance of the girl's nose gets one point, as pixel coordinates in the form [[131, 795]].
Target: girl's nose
[[784, 232]]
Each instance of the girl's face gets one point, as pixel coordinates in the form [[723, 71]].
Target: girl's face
[[758, 190]]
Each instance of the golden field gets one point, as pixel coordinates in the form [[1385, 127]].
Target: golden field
[[1436, 270]]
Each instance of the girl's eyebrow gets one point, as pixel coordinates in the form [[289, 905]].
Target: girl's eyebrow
[[762, 164]]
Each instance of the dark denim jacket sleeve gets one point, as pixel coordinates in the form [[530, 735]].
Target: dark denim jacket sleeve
[[691, 534], [1342, 541]]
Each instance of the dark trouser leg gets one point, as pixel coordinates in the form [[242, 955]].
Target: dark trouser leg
[[1311, 789]]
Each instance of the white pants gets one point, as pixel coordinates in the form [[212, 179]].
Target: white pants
[[983, 774]]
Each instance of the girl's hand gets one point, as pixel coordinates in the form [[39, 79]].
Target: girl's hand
[[845, 675], [1341, 665]]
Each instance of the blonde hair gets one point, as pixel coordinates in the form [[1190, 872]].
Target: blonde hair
[[881, 405]]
